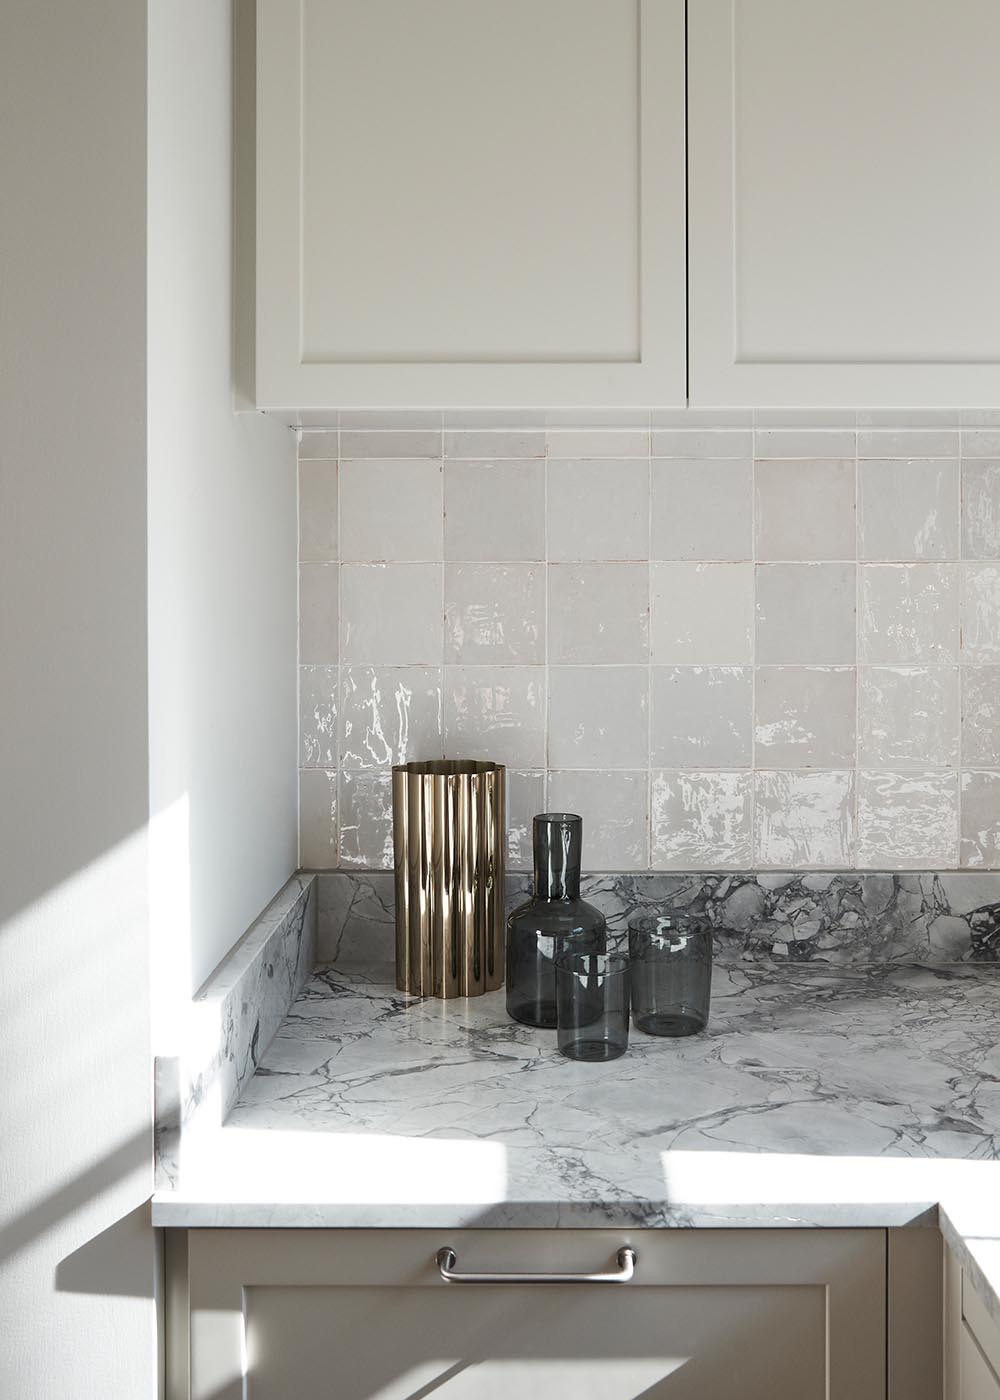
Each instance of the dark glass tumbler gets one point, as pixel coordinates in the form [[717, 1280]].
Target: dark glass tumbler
[[554, 918], [592, 1002], [670, 953]]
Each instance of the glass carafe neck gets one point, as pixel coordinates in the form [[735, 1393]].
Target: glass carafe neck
[[557, 840]]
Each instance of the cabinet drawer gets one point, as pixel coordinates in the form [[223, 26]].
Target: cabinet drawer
[[742, 1313]]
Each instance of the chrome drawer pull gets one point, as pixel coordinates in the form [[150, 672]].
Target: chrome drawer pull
[[446, 1260]]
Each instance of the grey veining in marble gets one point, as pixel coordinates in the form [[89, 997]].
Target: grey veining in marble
[[232, 1020], [882, 1064], [837, 919]]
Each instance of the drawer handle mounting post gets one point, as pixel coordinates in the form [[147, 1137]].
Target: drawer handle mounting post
[[446, 1260]]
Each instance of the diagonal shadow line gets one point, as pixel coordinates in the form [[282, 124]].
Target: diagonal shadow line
[[128, 1156], [439, 1381]]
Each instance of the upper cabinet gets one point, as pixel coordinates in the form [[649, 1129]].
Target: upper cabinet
[[844, 204], [467, 203], [470, 203]]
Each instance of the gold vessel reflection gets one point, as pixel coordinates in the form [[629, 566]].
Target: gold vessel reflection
[[448, 833]]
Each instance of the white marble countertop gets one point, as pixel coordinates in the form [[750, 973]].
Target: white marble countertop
[[817, 1096]]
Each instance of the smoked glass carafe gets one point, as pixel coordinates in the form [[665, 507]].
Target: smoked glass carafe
[[554, 920]]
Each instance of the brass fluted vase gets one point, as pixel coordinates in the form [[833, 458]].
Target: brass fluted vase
[[448, 834]]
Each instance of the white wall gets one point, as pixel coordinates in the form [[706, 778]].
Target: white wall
[[77, 1259], [222, 539]]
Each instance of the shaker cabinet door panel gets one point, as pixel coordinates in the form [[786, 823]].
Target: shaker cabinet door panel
[[461, 202], [843, 213], [364, 1315]]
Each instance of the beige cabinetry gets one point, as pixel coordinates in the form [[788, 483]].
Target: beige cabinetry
[[466, 203], [842, 215], [972, 1340], [360, 1314]]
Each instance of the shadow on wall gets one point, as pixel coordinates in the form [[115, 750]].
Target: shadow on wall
[[113, 1263], [132, 1155]]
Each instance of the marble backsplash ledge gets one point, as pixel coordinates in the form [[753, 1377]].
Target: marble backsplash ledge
[[231, 1021], [841, 919]]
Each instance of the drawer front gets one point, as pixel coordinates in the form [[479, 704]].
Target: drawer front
[[748, 1314]]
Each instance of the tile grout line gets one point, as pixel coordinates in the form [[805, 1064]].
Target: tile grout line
[[340, 627], [855, 833], [649, 646], [754, 817], [546, 782]]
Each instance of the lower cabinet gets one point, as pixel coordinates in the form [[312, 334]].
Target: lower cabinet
[[972, 1340], [367, 1315]]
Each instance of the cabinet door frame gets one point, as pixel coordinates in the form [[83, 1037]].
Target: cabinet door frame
[[221, 1265], [284, 381], [717, 373]]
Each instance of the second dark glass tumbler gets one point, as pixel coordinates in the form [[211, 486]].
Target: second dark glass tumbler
[[554, 920]]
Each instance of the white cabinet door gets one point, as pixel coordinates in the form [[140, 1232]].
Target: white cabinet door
[[844, 204], [467, 203], [364, 1315]]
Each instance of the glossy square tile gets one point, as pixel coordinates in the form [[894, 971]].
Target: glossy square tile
[[390, 509], [490, 443], [494, 613], [392, 442], [804, 442], [909, 441], [702, 442], [701, 821], [908, 613], [318, 818], [908, 509], [319, 594], [980, 838], [317, 510], [702, 614], [981, 612], [908, 717], [702, 509], [365, 801], [525, 799], [494, 510], [805, 509], [805, 717], [981, 716], [981, 442], [614, 809], [598, 442], [318, 687], [598, 509], [598, 717], [392, 614], [321, 446], [598, 614], [389, 714], [702, 717], [907, 821], [981, 510], [804, 818], [496, 713], [806, 614]]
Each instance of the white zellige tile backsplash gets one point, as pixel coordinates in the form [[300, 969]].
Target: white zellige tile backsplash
[[728, 639]]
